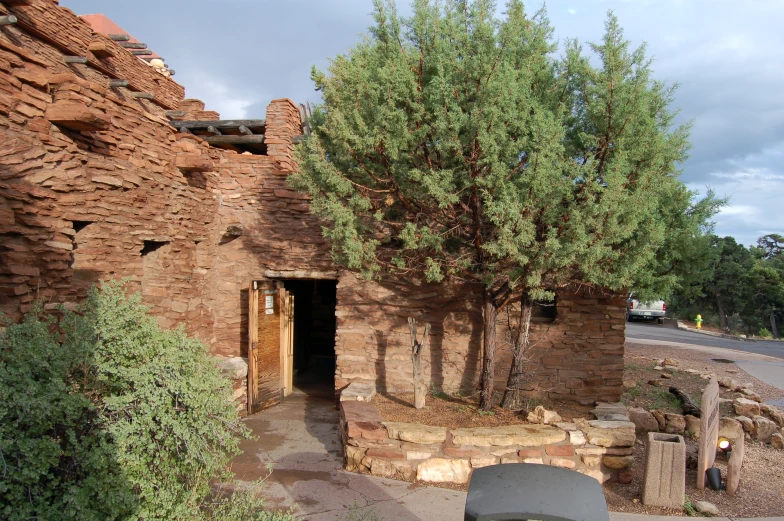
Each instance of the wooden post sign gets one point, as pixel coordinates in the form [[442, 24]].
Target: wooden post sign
[[709, 430]]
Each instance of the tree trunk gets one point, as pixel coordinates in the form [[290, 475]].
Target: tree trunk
[[722, 313], [513, 395], [489, 315], [420, 387], [773, 327]]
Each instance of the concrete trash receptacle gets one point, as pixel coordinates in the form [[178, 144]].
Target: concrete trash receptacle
[[518, 491], [665, 471]]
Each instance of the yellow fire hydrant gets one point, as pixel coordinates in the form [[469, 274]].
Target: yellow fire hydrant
[[698, 320]]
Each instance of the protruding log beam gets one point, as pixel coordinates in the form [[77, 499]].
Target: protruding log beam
[[185, 130], [119, 37], [142, 95], [174, 113], [76, 116], [192, 163], [8, 20], [75, 59], [132, 45], [256, 139], [100, 50], [118, 83], [140, 52], [214, 131], [245, 130], [221, 123]]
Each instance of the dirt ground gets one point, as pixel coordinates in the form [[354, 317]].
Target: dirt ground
[[442, 410], [761, 492]]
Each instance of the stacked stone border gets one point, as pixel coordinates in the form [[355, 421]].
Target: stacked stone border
[[413, 452]]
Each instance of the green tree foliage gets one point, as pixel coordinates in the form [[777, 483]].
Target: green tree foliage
[[457, 145], [729, 284], [765, 302], [772, 245], [742, 284], [106, 416]]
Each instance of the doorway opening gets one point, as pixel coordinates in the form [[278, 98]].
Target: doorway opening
[[314, 328]]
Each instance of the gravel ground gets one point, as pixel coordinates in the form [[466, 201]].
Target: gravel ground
[[701, 360], [761, 492]]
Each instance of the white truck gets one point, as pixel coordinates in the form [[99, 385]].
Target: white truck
[[645, 310]]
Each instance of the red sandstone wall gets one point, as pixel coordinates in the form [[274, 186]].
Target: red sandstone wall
[[579, 357], [77, 207], [51, 32]]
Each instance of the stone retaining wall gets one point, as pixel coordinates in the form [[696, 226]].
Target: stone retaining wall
[[412, 452]]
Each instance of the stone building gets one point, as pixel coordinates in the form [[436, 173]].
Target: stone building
[[107, 171]]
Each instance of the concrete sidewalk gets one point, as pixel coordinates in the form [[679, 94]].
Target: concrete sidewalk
[[617, 516], [300, 439]]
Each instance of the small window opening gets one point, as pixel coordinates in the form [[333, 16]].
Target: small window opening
[[80, 225], [151, 246], [544, 311]]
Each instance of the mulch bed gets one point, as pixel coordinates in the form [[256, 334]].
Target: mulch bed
[[454, 412]]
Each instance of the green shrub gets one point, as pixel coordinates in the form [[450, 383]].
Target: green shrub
[[57, 458], [111, 417]]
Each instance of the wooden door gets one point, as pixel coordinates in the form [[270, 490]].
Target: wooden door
[[253, 340], [287, 340], [264, 352]]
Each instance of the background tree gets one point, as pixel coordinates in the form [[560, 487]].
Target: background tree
[[744, 289], [772, 244], [728, 285], [455, 145]]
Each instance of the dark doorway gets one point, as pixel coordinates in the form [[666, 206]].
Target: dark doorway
[[314, 335]]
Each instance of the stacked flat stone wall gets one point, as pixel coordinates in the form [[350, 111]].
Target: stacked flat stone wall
[[578, 357], [190, 226], [413, 452]]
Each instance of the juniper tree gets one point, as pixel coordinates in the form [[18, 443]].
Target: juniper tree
[[455, 145]]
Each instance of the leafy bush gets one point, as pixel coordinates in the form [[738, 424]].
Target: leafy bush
[[57, 459], [106, 416]]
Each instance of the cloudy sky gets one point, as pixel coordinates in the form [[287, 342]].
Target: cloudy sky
[[237, 55]]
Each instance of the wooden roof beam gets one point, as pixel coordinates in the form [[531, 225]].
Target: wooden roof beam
[[220, 123], [256, 139]]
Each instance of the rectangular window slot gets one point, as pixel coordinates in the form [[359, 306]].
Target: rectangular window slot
[[151, 246]]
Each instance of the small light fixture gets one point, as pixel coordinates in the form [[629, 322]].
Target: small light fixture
[[713, 477], [724, 445]]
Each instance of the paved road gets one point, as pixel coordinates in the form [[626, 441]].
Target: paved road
[[654, 331]]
